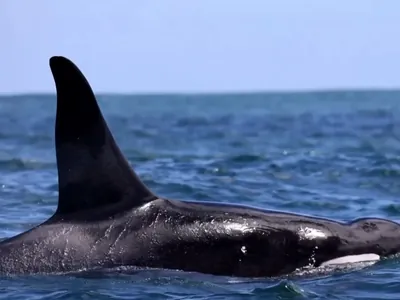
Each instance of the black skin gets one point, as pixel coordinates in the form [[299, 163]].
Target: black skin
[[106, 217]]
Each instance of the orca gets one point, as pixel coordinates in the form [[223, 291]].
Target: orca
[[106, 216]]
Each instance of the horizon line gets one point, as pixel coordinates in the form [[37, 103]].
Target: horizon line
[[218, 93]]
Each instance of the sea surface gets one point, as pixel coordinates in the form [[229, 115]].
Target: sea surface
[[331, 154]]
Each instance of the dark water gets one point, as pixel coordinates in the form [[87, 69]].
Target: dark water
[[335, 155]]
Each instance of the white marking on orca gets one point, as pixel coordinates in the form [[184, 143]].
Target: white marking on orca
[[311, 233], [369, 257]]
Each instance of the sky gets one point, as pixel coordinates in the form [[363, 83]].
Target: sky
[[159, 46]]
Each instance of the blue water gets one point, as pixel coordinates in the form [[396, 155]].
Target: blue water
[[335, 155]]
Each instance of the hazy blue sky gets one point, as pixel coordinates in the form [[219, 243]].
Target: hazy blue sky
[[202, 45]]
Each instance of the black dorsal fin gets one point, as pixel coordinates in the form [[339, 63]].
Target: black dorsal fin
[[92, 172]]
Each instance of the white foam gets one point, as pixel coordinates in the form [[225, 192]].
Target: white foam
[[237, 227], [368, 257]]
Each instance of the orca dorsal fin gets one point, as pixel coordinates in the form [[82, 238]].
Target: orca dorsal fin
[[92, 171]]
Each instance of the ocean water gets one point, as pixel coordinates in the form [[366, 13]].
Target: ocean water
[[331, 154]]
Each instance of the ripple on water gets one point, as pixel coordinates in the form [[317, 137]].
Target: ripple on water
[[329, 154]]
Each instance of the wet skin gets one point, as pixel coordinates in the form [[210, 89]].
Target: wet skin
[[107, 217]]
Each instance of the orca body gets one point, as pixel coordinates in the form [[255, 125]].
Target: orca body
[[106, 217]]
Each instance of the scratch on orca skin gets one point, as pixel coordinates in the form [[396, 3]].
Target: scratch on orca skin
[[65, 256], [100, 239], [124, 230]]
